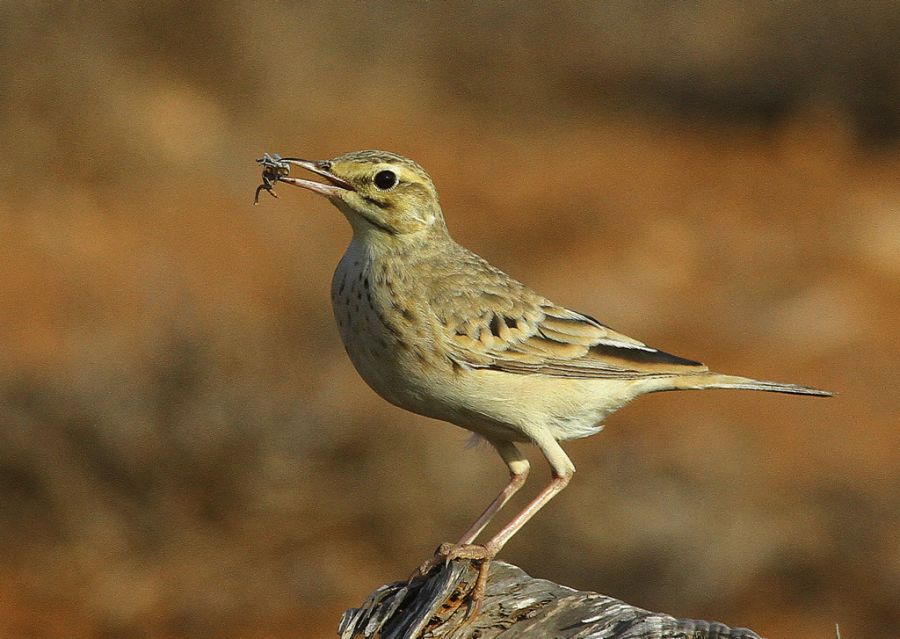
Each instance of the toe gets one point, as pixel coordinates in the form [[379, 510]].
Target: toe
[[469, 551]]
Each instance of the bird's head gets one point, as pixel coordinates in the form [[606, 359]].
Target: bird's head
[[377, 191]]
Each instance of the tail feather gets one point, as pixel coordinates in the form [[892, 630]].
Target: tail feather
[[716, 380]]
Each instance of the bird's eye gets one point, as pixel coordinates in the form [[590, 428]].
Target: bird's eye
[[385, 180]]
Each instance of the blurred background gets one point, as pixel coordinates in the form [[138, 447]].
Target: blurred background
[[185, 450]]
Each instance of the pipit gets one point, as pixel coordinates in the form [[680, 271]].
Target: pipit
[[435, 329]]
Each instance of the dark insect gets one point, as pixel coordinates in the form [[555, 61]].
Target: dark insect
[[274, 168]]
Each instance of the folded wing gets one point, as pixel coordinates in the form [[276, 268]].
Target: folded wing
[[542, 338]]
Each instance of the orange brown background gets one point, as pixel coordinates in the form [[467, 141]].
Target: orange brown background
[[185, 450]]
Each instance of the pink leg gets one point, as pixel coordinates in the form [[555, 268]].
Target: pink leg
[[549, 492], [482, 555], [562, 470], [518, 473]]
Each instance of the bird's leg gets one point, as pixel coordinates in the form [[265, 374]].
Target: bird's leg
[[518, 472], [557, 483], [562, 470]]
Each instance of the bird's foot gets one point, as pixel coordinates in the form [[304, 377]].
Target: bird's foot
[[480, 555], [447, 552]]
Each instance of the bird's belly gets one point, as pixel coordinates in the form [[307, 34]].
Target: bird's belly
[[528, 407]]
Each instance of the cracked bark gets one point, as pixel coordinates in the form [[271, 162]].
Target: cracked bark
[[515, 605]]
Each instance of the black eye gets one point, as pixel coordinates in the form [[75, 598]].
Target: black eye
[[385, 180]]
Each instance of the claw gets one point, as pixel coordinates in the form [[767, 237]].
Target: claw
[[479, 555], [440, 556]]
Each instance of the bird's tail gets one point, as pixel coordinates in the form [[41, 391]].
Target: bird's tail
[[717, 380]]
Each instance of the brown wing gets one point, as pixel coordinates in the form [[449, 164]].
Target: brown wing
[[492, 321], [555, 341]]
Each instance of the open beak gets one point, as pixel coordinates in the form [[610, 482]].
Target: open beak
[[333, 188]]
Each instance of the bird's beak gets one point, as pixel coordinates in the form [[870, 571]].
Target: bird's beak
[[335, 186]]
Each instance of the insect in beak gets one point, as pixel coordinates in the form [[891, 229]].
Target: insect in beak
[[277, 169]]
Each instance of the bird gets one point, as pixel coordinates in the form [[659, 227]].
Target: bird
[[437, 330]]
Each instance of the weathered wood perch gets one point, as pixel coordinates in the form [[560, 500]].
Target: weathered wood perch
[[515, 606]]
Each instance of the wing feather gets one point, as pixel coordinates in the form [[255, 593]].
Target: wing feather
[[550, 340], [490, 320]]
